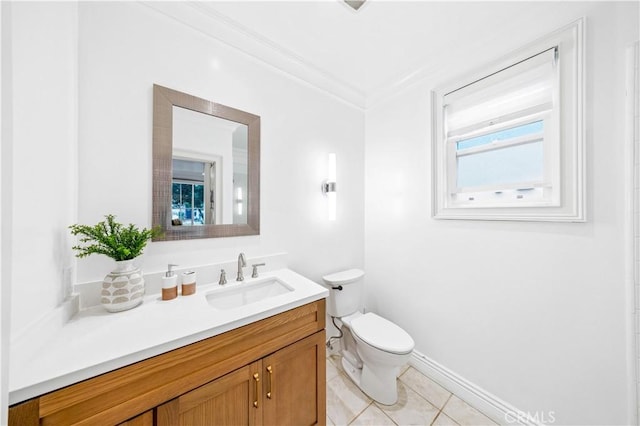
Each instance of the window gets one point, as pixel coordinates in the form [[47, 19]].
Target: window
[[187, 192], [187, 203], [507, 140]]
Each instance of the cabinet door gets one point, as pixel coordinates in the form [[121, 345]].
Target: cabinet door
[[233, 399], [144, 419], [294, 389], [25, 414]]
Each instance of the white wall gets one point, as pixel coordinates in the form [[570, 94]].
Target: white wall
[[124, 49], [533, 313], [43, 58], [633, 135], [82, 138], [5, 205]]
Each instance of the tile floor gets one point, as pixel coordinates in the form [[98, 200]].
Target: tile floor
[[421, 401]]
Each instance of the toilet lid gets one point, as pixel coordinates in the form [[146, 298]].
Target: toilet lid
[[344, 277], [382, 334]]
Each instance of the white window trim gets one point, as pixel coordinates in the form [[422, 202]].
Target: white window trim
[[570, 205]]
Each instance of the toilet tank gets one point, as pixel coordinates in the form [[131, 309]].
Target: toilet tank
[[345, 292]]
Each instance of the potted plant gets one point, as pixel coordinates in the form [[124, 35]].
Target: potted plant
[[122, 288]]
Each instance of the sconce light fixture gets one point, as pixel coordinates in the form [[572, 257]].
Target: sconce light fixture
[[329, 187], [239, 200]]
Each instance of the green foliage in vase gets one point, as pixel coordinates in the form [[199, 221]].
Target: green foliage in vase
[[112, 239]]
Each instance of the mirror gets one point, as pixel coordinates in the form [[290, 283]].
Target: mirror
[[209, 178], [206, 168]]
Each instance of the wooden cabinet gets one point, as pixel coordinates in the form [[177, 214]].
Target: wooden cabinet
[[269, 372], [284, 388], [229, 400], [293, 389], [144, 419]]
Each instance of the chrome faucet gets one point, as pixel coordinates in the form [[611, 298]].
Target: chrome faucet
[[242, 262], [223, 277]]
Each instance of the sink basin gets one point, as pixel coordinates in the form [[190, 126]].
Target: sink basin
[[244, 294]]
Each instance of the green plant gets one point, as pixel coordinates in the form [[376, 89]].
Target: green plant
[[112, 239]]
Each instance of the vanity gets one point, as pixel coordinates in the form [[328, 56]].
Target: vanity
[[243, 353], [193, 360]]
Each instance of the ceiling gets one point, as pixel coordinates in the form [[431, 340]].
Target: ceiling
[[359, 55]]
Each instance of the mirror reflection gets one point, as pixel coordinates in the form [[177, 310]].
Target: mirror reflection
[[209, 170]]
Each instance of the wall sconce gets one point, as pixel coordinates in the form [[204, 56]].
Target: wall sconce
[[239, 200], [329, 187]]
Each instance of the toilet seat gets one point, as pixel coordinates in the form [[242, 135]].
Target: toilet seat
[[382, 334]]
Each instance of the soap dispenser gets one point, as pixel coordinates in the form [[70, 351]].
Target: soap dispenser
[[169, 284], [188, 283]]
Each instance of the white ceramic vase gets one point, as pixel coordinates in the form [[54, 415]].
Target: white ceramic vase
[[123, 287]]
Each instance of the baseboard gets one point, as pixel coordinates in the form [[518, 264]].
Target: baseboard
[[492, 406]]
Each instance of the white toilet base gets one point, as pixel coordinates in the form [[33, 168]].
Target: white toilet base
[[352, 371], [380, 386]]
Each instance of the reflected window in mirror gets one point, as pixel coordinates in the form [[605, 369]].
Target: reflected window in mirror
[[188, 187]]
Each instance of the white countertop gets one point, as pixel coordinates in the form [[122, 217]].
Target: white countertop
[[95, 341]]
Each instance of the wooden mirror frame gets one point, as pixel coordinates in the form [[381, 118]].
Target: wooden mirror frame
[[164, 100]]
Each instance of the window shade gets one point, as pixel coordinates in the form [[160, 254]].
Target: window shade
[[523, 89]]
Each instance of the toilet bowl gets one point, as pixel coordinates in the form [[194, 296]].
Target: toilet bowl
[[373, 348]]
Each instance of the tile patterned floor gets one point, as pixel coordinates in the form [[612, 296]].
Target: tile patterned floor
[[421, 401]]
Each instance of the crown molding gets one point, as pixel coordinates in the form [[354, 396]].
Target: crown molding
[[396, 86], [206, 20]]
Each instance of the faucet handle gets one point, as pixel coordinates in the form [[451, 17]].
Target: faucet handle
[[223, 277], [254, 274]]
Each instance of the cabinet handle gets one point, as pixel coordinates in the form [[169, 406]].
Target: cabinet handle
[[270, 371], [256, 378]]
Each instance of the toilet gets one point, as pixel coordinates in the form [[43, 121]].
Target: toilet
[[373, 348]]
